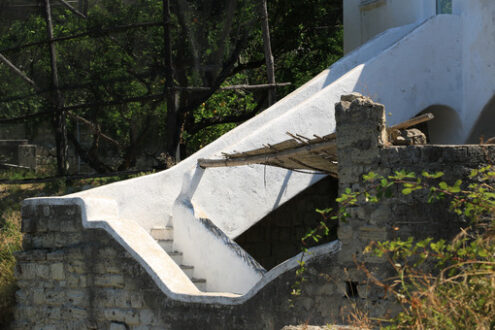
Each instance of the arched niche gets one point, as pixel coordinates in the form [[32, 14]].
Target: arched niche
[[485, 125], [445, 128]]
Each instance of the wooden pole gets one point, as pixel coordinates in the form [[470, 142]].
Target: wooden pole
[[172, 133], [270, 63], [266, 158], [59, 117]]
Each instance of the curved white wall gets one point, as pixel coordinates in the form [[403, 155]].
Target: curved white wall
[[478, 57], [148, 200], [447, 60], [423, 68]]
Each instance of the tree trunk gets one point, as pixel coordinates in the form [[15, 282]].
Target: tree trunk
[[172, 128], [59, 117], [270, 65]]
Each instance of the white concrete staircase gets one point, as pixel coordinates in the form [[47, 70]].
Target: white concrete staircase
[[165, 238]]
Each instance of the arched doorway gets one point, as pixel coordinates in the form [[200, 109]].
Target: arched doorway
[[445, 128], [485, 125]]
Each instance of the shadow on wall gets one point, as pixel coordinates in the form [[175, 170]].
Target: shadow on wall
[[485, 125], [277, 237], [445, 128]]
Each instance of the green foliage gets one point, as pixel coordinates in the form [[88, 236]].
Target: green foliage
[[439, 284], [105, 66], [443, 284]]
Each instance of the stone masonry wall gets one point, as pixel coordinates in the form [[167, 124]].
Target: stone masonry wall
[[363, 146], [75, 278]]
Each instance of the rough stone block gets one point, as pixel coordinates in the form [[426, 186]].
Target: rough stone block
[[77, 267], [114, 314], [22, 297], [117, 326], [28, 225], [75, 313], [110, 281], [27, 211], [76, 281], [72, 225], [146, 317], [107, 253], [31, 255], [136, 300], [29, 271], [57, 271], [55, 255], [372, 233], [106, 267], [77, 298], [53, 313]]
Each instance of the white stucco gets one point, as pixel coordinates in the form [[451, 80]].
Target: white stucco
[[213, 257], [169, 278], [364, 19], [478, 58], [445, 63], [148, 200]]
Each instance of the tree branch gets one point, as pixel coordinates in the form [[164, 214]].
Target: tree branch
[[16, 70], [72, 9], [92, 160], [93, 128], [96, 32], [207, 122]]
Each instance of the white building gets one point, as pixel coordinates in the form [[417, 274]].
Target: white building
[[399, 52]]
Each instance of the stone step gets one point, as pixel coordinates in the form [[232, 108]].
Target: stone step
[[189, 270], [166, 244], [176, 256], [162, 233], [200, 283]]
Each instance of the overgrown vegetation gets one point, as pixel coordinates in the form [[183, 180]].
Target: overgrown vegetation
[[444, 284], [439, 284]]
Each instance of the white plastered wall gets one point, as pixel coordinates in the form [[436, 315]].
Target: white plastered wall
[[364, 19], [408, 77], [446, 61], [149, 199], [478, 58]]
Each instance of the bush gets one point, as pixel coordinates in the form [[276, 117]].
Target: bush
[[439, 284], [444, 284]]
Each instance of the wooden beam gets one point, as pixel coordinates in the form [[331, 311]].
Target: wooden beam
[[265, 158], [413, 121], [269, 157]]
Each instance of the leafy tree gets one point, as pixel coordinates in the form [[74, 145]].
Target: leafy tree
[[112, 70]]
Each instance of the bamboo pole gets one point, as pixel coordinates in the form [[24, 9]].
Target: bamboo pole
[[57, 101], [270, 63]]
